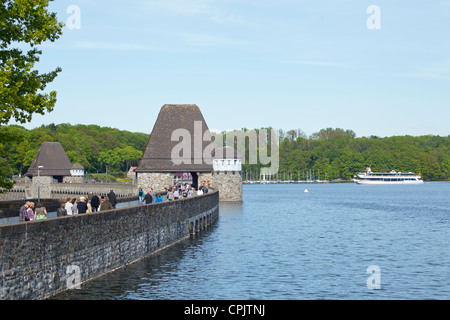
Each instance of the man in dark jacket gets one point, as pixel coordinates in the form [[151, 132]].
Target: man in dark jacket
[[112, 198], [148, 198], [82, 205], [95, 203]]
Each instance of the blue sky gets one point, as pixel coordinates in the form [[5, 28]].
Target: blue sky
[[288, 64]]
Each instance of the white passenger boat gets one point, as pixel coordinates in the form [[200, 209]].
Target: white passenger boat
[[369, 177]]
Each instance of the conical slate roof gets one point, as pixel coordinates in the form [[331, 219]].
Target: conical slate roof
[[53, 158], [174, 122], [77, 166]]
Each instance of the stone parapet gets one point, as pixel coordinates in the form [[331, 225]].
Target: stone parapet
[[40, 259]]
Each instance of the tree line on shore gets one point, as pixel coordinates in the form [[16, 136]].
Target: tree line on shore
[[335, 153], [98, 149], [331, 153]]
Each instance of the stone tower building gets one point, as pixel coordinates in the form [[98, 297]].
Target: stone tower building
[[179, 143], [227, 174], [50, 165]]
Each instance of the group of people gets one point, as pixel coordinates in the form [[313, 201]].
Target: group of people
[[72, 206], [87, 205], [148, 197], [184, 191], [92, 203], [28, 212], [172, 193]]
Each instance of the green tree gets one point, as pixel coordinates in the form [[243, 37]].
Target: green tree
[[110, 158], [129, 157], [5, 173], [22, 86], [24, 25]]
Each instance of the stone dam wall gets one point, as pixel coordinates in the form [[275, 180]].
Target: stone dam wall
[[40, 259]]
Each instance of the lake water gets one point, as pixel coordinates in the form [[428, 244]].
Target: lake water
[[284, 244]]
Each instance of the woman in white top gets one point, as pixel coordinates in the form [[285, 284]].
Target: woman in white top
[[69, 206]]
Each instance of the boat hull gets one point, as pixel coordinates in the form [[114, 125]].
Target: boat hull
[[388, 182]]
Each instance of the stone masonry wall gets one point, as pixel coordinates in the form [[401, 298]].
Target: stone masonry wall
[[229, 184], [157, 181], [41, 185], [39, 259], [205, 179]]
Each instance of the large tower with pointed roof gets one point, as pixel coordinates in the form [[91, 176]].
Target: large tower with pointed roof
[[180, 143]]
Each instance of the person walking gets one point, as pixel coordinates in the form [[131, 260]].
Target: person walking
[[82, 206], [152, 193], [106, 205], [74, 206], [89, 207], [141, 196], [95, 203], [23, 212], [112, 198], [30, 212], [69, 206], [158, 198], [40, 213], [170, 194], [61, 211], [148, 198]]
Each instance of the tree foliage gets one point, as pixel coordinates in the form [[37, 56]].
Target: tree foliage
[[24, 26], [92, 146], [326, 154], [338, 154]]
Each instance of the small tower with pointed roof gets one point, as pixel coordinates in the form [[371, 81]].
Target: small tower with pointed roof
[[51, 165]]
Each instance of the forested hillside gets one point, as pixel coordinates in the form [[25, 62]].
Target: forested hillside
[[329, 153], [92, 146], [338, 154]]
